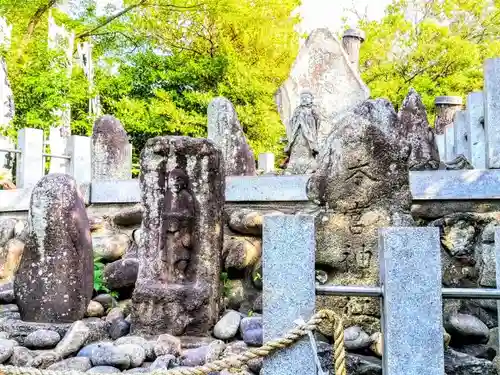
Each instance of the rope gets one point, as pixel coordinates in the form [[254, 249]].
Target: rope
[[236, 361]]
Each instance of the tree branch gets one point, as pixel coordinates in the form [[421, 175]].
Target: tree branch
[[110, 19]]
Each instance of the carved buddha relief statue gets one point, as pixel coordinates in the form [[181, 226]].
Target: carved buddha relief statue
[[177, 227]]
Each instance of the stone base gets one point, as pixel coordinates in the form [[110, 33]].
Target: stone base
[[179, 309]]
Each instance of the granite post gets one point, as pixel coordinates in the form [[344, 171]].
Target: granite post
[[492, 112], [362, 185], [266, 162], [352, 40], [225, 130], [288, 244], [79, 148], [54, 282], [178, 287], [461, 134], [111, 151], [475, 119], [29, 167], [446, 106], [58, 141], [412, 303]]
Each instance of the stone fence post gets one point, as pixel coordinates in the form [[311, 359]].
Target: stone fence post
[[29, 169], [79, 148], [492, 112], [475, 120]]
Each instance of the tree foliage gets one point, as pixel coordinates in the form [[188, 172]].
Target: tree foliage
[[160, 62], [436, 46]]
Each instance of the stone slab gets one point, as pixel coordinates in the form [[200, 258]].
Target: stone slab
[[441, 143], [475, 119], [288, 289], [449, 148], [124, 191], [412, 305], [492, 112], [267, 188], [455, 185], [462, 134]]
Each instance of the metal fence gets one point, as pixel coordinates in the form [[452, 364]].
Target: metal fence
[[410, 292]]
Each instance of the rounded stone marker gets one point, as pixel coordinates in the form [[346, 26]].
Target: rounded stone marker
[[54, 283]]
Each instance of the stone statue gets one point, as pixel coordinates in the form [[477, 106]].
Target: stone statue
[[177, 227], [302, 146], [180, 251]]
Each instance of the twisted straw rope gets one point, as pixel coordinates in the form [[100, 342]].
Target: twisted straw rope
[[236, 361]]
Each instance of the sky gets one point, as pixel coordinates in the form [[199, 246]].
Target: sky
[[328, 13]]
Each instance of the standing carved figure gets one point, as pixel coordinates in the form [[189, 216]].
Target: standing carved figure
[[302, 146], [178, 225]]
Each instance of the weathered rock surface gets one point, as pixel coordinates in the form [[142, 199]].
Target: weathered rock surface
[[121, 274], [414, 127], [362, 184], [42, 339], [251, 331], [167, 344], [109, 246], [225, 131], [246, 221], [178, 286], [466, 329], [462, 364], [10, 257], [129, 216], [81, 364], [7, 228], [136, 353], [6, 349], [322, 67], [95, 309], [228, 325], [148, 346], [241, 252], [111, 153], [356, 339], [54, 282], [103, 370]]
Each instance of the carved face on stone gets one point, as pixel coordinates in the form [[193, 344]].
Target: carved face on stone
[[306, 99], [177, 180]]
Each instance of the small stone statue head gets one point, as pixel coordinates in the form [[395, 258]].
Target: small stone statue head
[[306, 98], [177, 180]]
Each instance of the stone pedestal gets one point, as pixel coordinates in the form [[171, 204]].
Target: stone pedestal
[[178, 287]]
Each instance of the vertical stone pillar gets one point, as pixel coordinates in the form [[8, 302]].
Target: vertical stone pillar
[[29, 168], [352, 40], [412, 303], [446, 106], [178, 287], [461, 131], [111, 151], [54, 282], [266, 162], [288, 244], [475, 120], [79, 148], [492, 112]]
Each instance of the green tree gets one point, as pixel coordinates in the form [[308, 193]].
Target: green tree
[[436, 46], [160, 62]]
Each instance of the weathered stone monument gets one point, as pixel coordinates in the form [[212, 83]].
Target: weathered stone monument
[[322, 68], [225, 131], [111, 151], [54, 282], [414, 127], [178, 286], [362, 183], [303, 147], [446, 107]]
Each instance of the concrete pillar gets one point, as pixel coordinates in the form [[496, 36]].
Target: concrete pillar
[[446, 107], [352, 40]]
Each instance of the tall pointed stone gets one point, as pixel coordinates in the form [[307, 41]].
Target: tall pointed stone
[[363, 184], [54, 282], [225, 130], [414, 127], [323, 69], [111, 151], [178, 287]]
